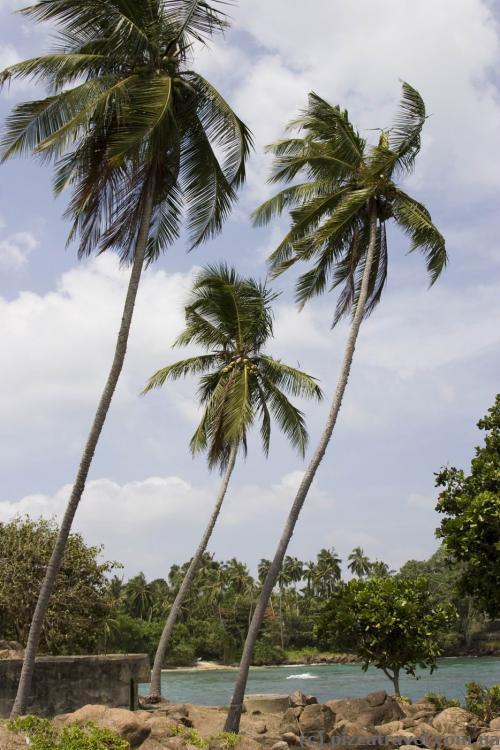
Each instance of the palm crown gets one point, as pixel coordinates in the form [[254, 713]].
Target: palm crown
[[231, 318], [127, 116], [347, 180]]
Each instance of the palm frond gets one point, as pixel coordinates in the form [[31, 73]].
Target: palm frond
[[181, 369], [404, 137], [289, 379], [224, 128], [289, 419], [416, 222]]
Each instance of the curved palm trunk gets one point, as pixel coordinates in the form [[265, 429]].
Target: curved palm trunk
[[155, 687], [24, 687], [234, 715]]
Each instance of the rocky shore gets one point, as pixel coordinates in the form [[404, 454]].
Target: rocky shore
[[281, 722]]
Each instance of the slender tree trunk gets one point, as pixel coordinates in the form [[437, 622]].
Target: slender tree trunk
[[396, 683], [281, 619], [155, 687], [234, 715], [24, 687]]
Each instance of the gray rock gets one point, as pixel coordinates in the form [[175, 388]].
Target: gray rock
[[298, 699], [489, 739], [459, 723], [316, 718], [375, 708], [291, 738]]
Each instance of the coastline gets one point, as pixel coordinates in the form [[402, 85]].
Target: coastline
[[214, 666]]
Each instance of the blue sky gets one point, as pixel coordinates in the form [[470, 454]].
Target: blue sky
[[427, 363]]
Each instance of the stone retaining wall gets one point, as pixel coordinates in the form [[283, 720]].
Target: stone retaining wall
[[65, 683]]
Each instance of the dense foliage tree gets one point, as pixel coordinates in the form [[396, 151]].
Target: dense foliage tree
[[338, 225], [390, 622], [231, 318], [470, 529], [80, 604], [444, 586], [140, 137]]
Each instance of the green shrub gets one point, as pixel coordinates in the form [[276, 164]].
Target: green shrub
[[440, 701], [483, 701], [266, 653], [43, 736], [228, 740]]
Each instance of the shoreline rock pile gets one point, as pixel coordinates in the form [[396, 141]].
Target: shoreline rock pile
[[288, 722]]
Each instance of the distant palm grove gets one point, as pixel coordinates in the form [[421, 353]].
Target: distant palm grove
[[151, 154]]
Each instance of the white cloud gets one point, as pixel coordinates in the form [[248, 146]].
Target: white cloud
[[15, 249], [61, 343], [354, 54], [426, 330], [8, 55], [156, 521], [423, 502]]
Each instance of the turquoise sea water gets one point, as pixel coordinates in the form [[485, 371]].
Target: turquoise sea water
[[214, 688]]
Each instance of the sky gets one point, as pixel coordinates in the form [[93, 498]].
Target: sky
[[427, 363]]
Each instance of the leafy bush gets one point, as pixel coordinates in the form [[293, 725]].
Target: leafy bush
[[42, 735], [483, 701], [440, 701], [266, 653], [228, 740]]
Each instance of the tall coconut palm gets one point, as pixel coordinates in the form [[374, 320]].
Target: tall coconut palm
[[328, 572], [358, 563], [137, 134], [339, 216], [230, 317]]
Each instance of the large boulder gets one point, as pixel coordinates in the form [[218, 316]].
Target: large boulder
[[495, 724], [459, 723], [308, 720], [316, 718], [290, 721], [298, 699], [489, 739], [343, 732], [375, 708], [127, 724], [390, 727]]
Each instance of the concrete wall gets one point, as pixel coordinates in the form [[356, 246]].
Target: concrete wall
[[62, 684]]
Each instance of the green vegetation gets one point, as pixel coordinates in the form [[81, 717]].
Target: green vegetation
[[80, 607], [213, 620], [389, 622], [470, 529], [42, 735], [440, 701], [483, 701]]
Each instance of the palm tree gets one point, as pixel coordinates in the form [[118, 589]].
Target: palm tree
[[328, 572], [379, 569], [310, 577], [230, 317], [137, 134], [358, 564], [138, 597], [339, 216]]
